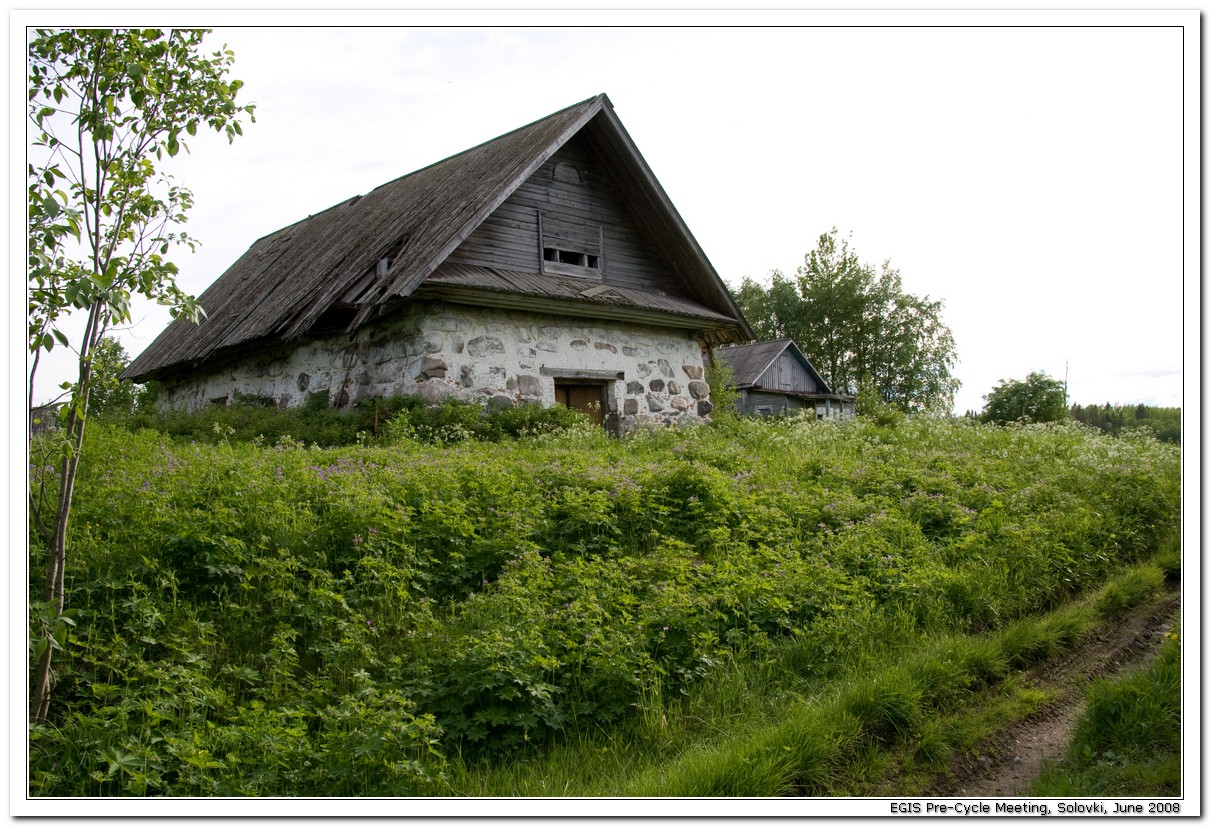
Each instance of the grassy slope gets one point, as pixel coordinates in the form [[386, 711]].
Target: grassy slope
[[419, 619], [888, 726]]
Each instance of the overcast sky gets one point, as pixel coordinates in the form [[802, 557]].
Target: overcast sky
[[1030, 176]]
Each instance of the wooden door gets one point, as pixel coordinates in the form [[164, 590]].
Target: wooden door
[[587, 398]]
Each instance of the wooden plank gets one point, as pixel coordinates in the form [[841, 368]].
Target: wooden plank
[[580, 373], [506, 237]]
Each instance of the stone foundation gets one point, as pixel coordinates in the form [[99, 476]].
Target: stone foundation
[[650, 375]]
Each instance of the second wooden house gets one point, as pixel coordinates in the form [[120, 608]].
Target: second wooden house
[[776, 378]]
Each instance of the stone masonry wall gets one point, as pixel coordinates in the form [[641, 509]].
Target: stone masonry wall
[[475, 354]]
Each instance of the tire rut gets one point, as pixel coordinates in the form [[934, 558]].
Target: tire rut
[[1007, 764]]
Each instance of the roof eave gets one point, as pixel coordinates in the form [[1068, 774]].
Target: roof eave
[[712, 328]]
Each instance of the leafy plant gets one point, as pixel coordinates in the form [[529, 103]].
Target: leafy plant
[[723, 393]]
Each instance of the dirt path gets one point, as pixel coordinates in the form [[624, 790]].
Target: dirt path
[[1011, 761]]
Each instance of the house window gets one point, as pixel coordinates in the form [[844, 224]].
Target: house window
[[765, 410], [567, 173]]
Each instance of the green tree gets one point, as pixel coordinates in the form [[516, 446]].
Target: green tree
[[1163, 423], [1037, 399], [863, 333], [106, 107], [107, 393]]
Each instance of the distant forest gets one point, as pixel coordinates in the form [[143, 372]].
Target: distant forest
[[1164, 423]]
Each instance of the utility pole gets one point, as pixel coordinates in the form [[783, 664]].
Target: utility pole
[[1065, 383]]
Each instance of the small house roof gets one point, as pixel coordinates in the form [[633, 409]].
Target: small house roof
[[750, 362], [288, 283]]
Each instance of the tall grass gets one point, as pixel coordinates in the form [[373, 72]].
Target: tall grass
[[885, 718]]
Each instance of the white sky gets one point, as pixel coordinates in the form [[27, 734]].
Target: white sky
[[1030, 176]]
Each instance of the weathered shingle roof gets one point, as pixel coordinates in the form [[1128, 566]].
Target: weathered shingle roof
[[288, 280], [750, 362]]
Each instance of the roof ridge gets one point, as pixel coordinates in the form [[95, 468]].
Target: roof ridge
[[401, 285], [354, 198], [481, 144]]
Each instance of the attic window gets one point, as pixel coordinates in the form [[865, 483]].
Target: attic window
[[576, 259], [571, 248], [568, 173]]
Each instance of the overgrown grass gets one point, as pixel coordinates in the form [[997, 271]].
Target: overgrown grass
[[500, 618], [373, 421]]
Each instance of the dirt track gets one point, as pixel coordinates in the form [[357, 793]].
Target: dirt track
[[1010, 762]]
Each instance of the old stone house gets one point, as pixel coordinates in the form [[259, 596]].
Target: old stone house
[[776, 378], [547, 265]]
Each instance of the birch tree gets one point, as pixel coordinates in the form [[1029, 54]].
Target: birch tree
[[107, 108]]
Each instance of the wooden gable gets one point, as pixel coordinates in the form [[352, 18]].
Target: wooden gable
[[570, 208], [778, 366]]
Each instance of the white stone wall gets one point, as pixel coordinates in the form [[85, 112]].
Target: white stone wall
[[495, 356]]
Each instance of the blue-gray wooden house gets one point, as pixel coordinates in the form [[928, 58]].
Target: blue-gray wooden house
[[776, 378]]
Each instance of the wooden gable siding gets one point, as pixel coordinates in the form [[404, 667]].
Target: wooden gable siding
[[778, 403], [787, 374], [508, 239]]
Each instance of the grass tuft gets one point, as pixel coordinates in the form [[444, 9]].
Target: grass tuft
[[887, 706], [1130, 589]]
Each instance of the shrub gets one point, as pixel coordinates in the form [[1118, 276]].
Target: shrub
[[380, 419]]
